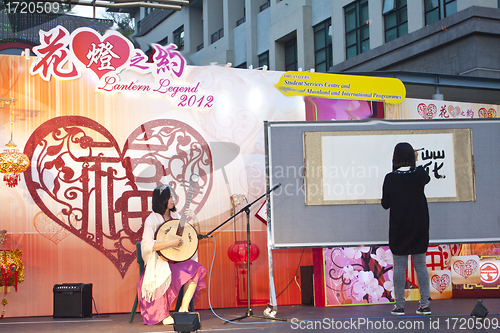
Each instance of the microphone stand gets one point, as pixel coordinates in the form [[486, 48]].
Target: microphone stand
[[246, 209]]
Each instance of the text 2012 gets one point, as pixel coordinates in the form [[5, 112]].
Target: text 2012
[[191, 101]]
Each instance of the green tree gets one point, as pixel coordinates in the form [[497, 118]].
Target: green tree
[[122, 21]]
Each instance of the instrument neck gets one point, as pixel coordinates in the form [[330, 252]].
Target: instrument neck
[[189, 197]]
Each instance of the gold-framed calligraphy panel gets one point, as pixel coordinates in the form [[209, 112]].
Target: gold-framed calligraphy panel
[[348, 167]]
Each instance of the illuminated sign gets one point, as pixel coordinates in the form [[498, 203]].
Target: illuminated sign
[[351, 87]]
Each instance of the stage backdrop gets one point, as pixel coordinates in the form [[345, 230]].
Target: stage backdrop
[[103, 125], [102, 128]]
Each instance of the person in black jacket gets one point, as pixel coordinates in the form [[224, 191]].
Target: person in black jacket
[[403, 194]]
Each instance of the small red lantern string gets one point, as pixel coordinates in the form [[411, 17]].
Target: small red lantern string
[[4, 300]]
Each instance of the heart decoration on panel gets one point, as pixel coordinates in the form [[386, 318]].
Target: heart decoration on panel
[[454, 111], [466, 268], [84, 182], [427, 111], [490, 113], [440, 283]]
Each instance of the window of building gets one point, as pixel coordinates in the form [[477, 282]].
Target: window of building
[[436, 10], [291, 63], [242, 65], [431, 11], [179, 38], [357, 31], [323, 57], [264, 59], [396, 21], [389, 5], [450, 7]]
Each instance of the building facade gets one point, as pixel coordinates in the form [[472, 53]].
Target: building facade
[[449, 43], [340, 35]]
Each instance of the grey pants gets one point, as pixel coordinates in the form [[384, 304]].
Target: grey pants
[[400, 263]]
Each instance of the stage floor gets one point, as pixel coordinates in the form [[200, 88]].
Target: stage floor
[[451, 315]]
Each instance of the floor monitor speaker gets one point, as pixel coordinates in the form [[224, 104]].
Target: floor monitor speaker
[[72, 300]]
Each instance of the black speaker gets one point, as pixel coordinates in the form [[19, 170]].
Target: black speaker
[[306, 285], [186, 321], [72, 300], [479, 310]]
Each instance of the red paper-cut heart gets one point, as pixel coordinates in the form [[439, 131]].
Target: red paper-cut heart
[[100, 54], [465, 269], [440, 283], [86, 184], [427, 111], [483, 113]]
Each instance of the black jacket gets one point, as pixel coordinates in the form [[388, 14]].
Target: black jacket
[[403, 193]]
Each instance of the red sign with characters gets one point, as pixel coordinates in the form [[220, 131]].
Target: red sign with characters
[[64, 56], [109, 53], [489, 272]]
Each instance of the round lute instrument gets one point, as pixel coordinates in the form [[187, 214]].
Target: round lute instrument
[[180, 228]]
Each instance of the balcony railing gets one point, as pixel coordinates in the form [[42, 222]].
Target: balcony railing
[[217, 35], [152, 20], [265, 6], [241, 21]]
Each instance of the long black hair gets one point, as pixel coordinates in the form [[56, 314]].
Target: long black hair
[[404, 156], [161, 195]]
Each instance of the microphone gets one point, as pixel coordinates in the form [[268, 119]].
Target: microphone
[[200, 236], [276, 187]]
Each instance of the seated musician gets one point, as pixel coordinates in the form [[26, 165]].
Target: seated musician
[[162, 280]]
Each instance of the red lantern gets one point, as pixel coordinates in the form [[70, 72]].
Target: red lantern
[[11, 272], [238, 252]]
